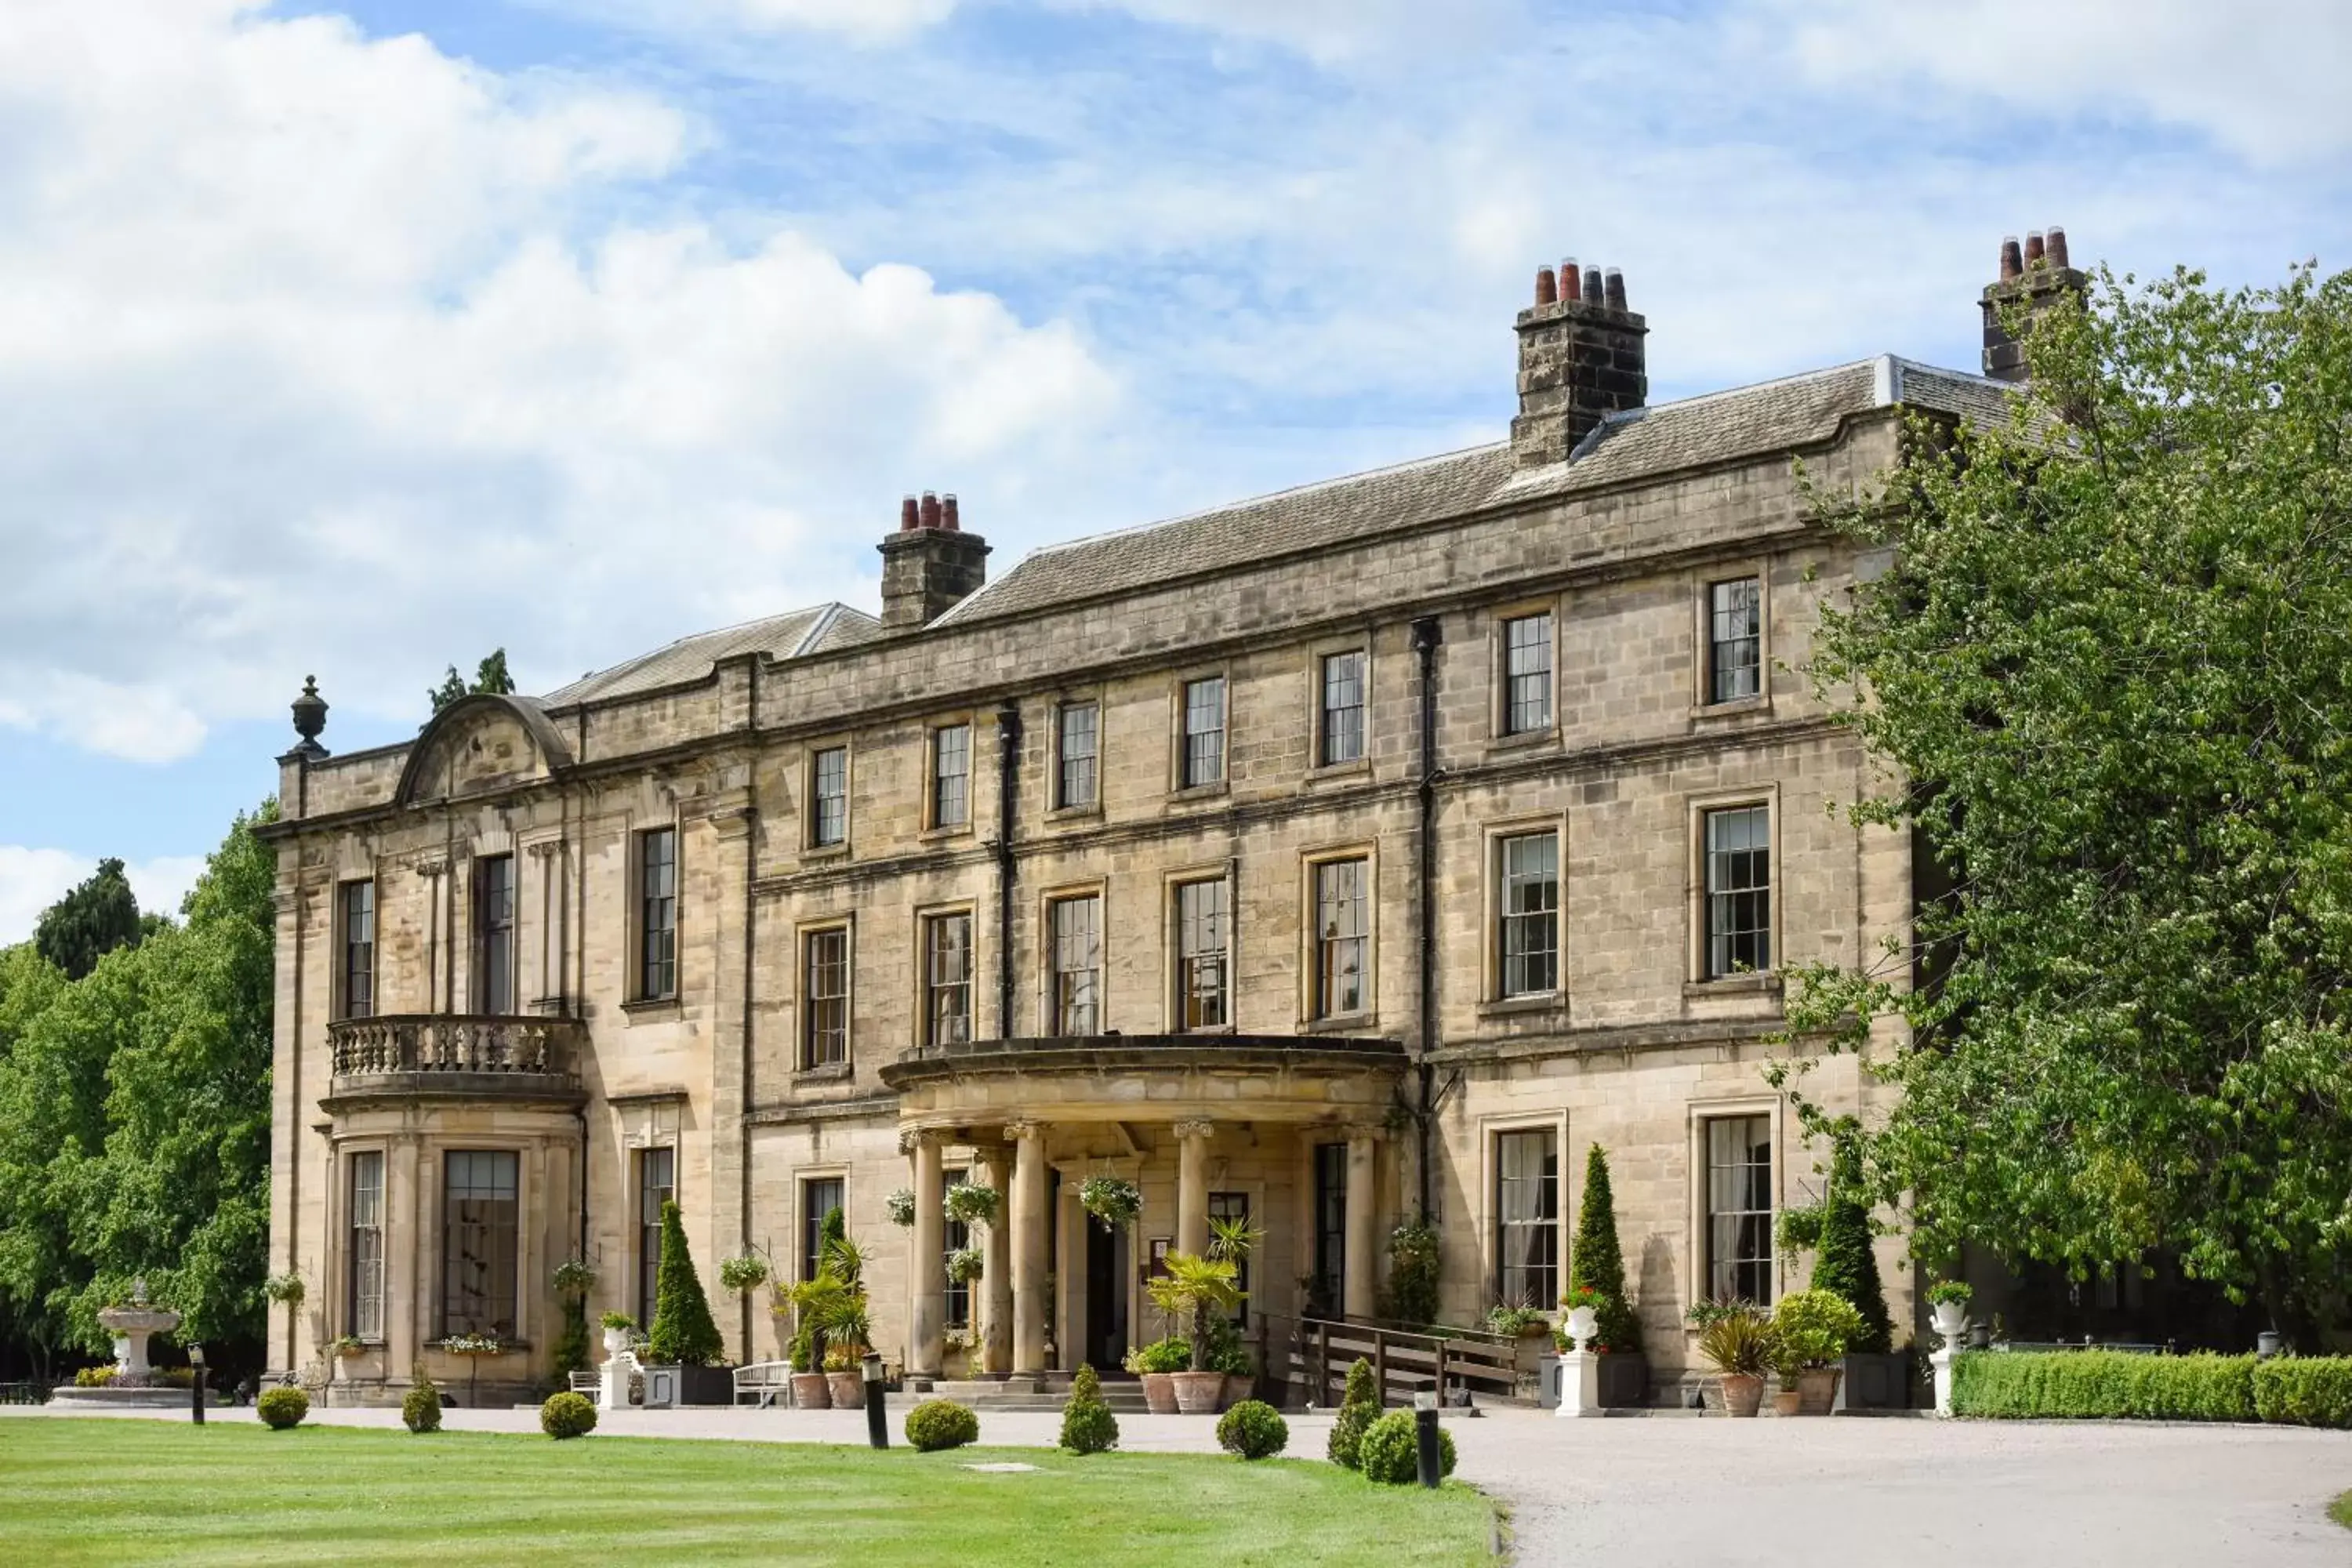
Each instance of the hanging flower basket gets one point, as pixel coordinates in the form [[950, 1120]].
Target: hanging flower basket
[[969, 1204], [963, 1265], [901, 1207], [748, 1272], [573, 1277], [1113, 1200]]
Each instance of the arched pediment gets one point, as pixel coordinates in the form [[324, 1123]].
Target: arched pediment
[[481, 743]]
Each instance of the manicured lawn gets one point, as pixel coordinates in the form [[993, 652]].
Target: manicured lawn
[[115, 1492], [2341, 1511]]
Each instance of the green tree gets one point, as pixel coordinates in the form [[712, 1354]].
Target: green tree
[[1598, 1263], [2109, 681], [1847, 1263], [93, 920], [489, 676], [682, 1330]]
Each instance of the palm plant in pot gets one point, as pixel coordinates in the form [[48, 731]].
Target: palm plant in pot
[[1233, 1240], [1193, 1289], [1735, 1338], [1157, 1364], [1812, 1330]]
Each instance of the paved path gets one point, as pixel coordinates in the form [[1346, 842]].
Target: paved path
[[1809, 1494]]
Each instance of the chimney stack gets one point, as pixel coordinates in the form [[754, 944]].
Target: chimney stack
[[930, 565], [1581, 359], [2033, 277]]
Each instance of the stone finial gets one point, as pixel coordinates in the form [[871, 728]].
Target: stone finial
[[309, 718], [139, 1291]]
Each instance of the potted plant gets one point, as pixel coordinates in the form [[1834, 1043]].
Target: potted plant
[[1735, 1338], [1233, 1240], [900, 1206], [1114, 1200], [1156, 1364], [1947, 1302], [956, 1345], [683, 1334], [970, 1204], [473, 1347], [1193, 1289], [1597, 1265], [1812, 1330], [964, 1264], [1524, 1323], [819, 1300], [845, 1374], [810, 1391], [619, 1329], [348, 1345]]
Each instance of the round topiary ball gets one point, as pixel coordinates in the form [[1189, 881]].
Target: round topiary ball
[[1253, 1429], [567, 1415], [937, 1424], [1389, 1453], [282, 1408], [420, 1408]]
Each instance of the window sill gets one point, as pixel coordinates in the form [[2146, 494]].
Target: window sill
[[1527, 740], [1738, 707], [652, 1007], [1194, 793], [1361, 768], [1516, 1006], [1074, 813], [940, 835], [826, 851], [1203, 1032], [1340, 1024], [831, 1072], [1767, 982]]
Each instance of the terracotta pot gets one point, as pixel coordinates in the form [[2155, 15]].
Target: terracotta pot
[[810, 1391], [1159, 1393], [1742, 1393], [1197, 1393], [1787, 1401], [1238, 1385], [1817, 1390], [849, 1389]]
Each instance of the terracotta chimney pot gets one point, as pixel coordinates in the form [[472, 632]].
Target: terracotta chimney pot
[[1547, 289], [1570, 282]]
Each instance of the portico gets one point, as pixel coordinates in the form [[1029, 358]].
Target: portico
[[1215, 1126]]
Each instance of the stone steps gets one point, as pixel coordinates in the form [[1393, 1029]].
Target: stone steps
[[1050, 1393]]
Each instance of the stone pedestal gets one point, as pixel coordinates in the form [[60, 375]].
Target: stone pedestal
[[1579, 1384], [1942, 1362], [612, 1383]]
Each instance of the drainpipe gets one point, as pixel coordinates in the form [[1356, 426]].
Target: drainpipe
[[1426, 636], [1008, 782]]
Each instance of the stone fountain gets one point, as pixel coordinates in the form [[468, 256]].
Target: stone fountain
[[135, 1381]]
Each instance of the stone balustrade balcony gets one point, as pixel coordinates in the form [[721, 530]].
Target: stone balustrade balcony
[[467, 1055]]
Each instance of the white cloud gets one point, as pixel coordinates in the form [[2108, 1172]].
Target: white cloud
[[33, 880], [2268, 78], [326, 353]]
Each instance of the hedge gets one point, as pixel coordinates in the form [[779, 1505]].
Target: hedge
[[2101, 1385], [2305, 1390], [936, 1423]]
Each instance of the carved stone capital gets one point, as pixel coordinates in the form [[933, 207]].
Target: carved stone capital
[[1025, 1128], [1194, 1127], [913, 1138]]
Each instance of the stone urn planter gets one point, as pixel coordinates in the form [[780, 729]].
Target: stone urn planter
[[1198, 1392], [847, 1389], [615, 1342], [811, 1390], [1951, 1319], [1743, 1394], [1788, 1401], [1817, 1390], [1238, 1385], [1159, 1391]]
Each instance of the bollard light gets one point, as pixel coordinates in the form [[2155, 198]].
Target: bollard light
[[196, 1384], [1424, 1436], [877, 1419]]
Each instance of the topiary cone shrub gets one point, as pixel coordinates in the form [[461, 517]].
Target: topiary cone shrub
[[420, 1407], [1847, 1264], [936, 1423], [683, 1332], [1087, 1425], [1598, 1263], [567, 1415], [1253, 1429], [282, 1409], [1360, 1406], [1392, 1450]]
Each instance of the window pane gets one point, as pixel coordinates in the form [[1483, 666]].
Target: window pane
[[955, 1235], [1740, 1208], [818, 1198], [832, 789], [1736, 654], [494, 916], [827, 1039], [1526, 671], [1329, 1284], [1343, 707], [657, 1184], [1232, 1206], [657, 912], [1078, 744], [952, 776], [1343, 932], [1738, 891], [1200, 952], [1204, 731], [359, 949], [1077, 966], [478, 1243], [947, 980], [367, 1246], [1530, 914], [1527, 1219]]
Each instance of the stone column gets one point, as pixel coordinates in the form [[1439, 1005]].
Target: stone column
[[1030, 1304], [996, 1272], [1193, 1186], [928, 1299], [1363, 1231]]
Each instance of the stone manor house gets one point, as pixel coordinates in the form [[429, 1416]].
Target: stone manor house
[[1365, 849]]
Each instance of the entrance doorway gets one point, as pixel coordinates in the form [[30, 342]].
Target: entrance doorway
[[1105, 1344]]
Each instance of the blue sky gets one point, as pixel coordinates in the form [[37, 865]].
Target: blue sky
[[358, 339]]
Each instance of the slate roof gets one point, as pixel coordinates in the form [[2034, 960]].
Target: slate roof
[[788, 636]]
